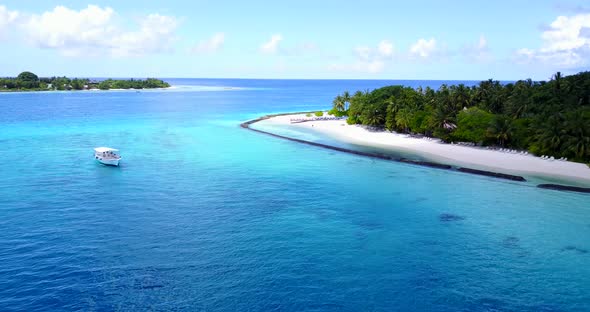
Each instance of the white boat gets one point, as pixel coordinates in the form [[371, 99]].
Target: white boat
[[107, 156]]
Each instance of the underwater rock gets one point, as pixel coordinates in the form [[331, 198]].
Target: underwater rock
[[151, 286], [449, 217], [575, 249], [510, 242], [493, 174], [558, 187]]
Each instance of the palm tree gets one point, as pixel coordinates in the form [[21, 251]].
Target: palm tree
[[357, 106], [578, 87], [578, 146], [373, 117], [403, 119], [338, 103], [461, 96], [557, 78], [346, 99], [550, 134], [444, 102], [392, 108], [488, 96], [438, 119], [519, 101], [577, 141], [501, 129]]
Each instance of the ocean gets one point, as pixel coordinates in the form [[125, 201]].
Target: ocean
[[203, 215]]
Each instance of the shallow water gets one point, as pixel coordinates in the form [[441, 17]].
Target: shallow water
[[203, 215]]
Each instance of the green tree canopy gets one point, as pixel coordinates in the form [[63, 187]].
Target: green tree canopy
[[27, 80], [546, 117], [472, 125], [27, 76]]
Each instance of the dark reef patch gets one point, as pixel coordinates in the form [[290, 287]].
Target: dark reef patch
[[151, 286], [575, 249], [449, 217], [511, 242], [370, 225], [420, 199]]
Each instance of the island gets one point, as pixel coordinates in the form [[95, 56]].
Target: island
[[546, 118], [525, 128], [28, 81]]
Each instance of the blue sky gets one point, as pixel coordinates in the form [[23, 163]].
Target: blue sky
[[373, 39]]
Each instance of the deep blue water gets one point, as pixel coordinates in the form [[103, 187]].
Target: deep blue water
[[205, 216]]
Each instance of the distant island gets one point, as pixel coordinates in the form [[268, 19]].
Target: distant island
[[28, 81], [546, 118]]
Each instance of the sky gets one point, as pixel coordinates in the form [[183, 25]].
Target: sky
[[303, 39]]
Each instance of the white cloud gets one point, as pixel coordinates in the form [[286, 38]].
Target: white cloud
[[271, 46], [566, 43], [7, 18], [526, 53], [368, 60], [385, 48], [564, 33], [212, 45], [423, 49], [482, 44], [155, 35], [93, 31], [478, 52]]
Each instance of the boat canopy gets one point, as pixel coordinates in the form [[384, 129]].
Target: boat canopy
[[105, 149]]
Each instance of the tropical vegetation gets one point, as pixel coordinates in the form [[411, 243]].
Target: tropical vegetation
[[544, 117], [28, 81]]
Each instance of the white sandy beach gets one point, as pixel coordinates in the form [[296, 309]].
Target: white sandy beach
[[473, 157]]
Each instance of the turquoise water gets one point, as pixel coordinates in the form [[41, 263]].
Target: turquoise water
[[203, 215]]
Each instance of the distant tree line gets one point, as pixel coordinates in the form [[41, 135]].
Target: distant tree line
[[544, 117], [27, 81], [149, 83]]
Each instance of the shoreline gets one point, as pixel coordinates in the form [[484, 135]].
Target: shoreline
[[91, 89], [473, 160], [83, 90]]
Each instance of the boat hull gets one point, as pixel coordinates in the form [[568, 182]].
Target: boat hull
[[108, 162]]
